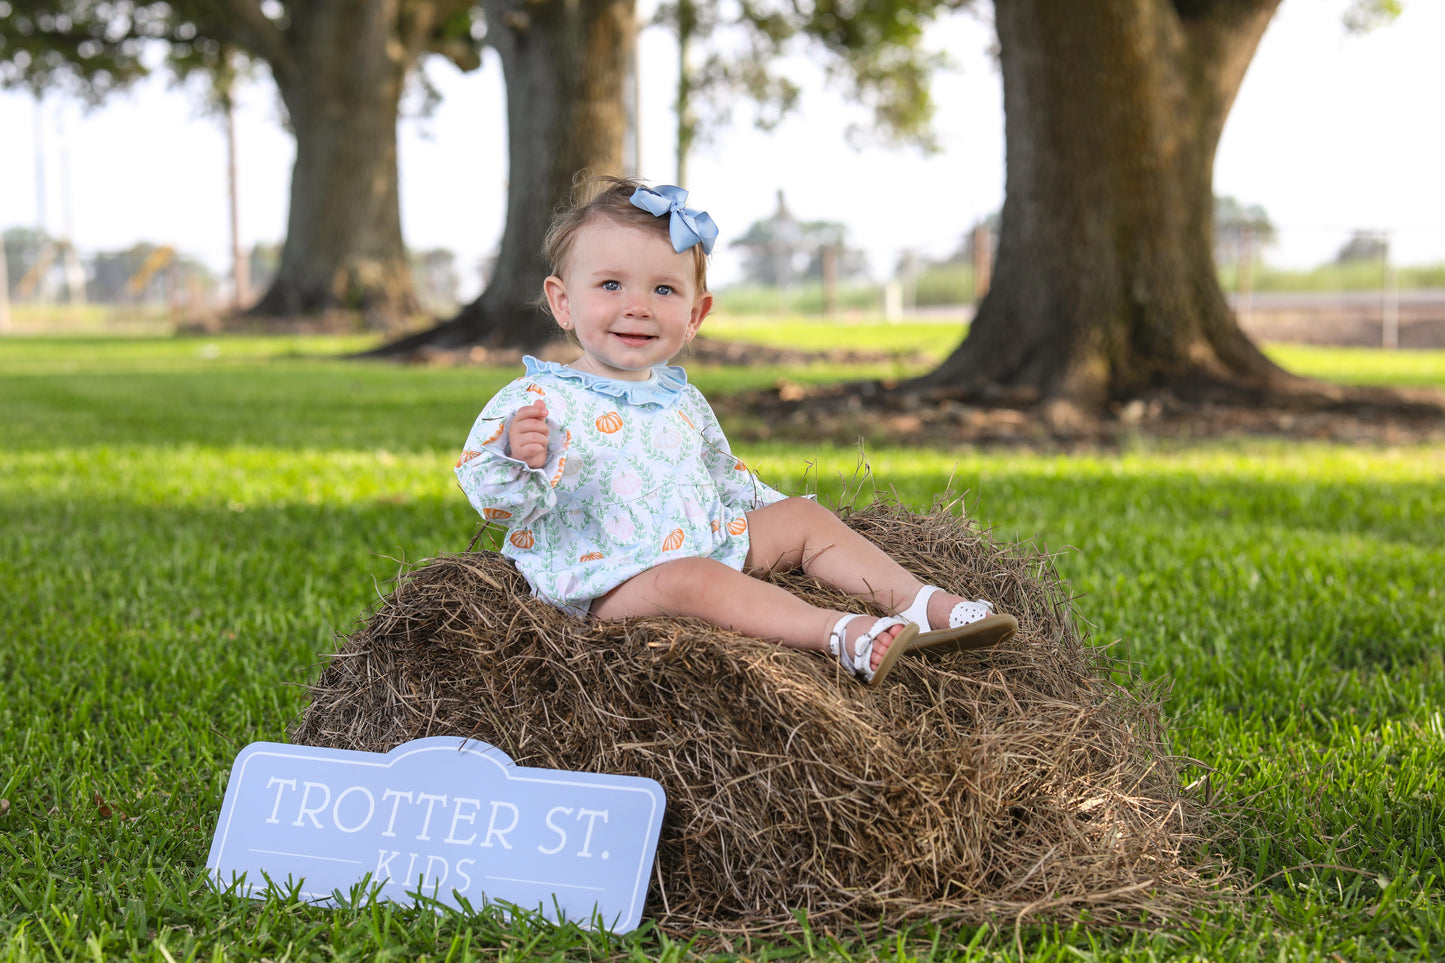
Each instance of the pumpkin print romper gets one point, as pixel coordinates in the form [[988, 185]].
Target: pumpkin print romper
[[637, 473]]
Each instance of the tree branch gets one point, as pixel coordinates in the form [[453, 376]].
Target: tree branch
[[255, 31], [1226, 34]]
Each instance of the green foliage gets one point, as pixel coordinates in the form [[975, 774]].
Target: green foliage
[[765, 300], [944, 284], [91, 47], [1353, 276], [185, 524], [947, 284], [1238, 228], [94, 47], [1362, 16], [876, 51]]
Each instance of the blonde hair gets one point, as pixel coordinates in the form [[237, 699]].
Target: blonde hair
[[609, 196]]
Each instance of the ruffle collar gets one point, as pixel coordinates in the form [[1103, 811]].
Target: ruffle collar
[[663, 387]]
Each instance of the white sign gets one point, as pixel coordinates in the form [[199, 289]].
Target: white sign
[[443, 817]]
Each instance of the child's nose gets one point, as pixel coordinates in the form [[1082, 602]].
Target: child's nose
[[638, 304]]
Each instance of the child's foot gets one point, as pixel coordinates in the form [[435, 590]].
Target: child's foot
[[941, 607], [881, 644], [869, 647], [955, 623]]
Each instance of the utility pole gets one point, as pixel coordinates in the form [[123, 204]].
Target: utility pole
[[1390, 298], [240, 266], [4, 289], [829, 255], [39, 165], [74, 272], [1244, 274], [40, 212]]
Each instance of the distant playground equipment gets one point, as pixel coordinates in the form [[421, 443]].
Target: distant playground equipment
[[31, 280], [155, 262], [41, 278]]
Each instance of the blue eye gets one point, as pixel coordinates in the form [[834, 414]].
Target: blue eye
[[664, 289], [611, 286]]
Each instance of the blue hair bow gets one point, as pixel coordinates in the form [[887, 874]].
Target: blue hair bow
[[687, 227]]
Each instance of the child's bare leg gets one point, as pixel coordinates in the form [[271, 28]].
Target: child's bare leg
[[708, 589], [798, 532]]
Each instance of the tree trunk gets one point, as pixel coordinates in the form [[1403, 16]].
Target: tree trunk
[[564, 62], [1105, 285], [344, 248]]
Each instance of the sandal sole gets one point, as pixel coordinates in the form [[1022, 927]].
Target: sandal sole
[[976, 635]]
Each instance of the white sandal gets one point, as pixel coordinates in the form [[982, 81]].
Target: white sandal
[[858, 660], [972, 624]]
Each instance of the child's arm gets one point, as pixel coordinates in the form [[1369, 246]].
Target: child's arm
[[738, 487], [501, 483]]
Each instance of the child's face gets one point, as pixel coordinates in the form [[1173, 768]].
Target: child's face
[[631, 299]]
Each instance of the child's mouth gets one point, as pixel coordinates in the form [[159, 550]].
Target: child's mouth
[[635, 340]]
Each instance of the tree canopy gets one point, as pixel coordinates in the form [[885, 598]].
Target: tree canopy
[[729, 54]]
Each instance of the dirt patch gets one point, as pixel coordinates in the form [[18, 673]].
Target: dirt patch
[[1420, 326], [882, 414]]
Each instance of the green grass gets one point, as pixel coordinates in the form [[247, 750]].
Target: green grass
[[950, 284], [186, 524], [1355, 276]]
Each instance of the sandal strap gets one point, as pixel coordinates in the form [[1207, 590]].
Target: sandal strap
[[857, 660], [964, 613], [838, 641], [968, 612], [918, 610]]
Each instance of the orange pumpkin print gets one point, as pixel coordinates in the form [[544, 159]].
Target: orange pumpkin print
[[496, 513], [740, 466], [738, 525], [536, 390], [592, 557], [609, 422], [674, 540], [522, 539], [501, 427], [467, 456], [716, 525], [557, 475]]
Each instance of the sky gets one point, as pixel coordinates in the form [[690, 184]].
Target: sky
[[1330, 133]]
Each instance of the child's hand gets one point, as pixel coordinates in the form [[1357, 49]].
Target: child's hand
[[528, 435]]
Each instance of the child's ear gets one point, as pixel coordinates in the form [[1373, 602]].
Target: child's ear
[[700, 308], [556, 293]]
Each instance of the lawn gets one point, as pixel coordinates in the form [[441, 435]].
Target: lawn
[[186, 524]]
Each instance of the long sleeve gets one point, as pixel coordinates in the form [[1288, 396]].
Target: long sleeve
[[740, 489], [500, 487]]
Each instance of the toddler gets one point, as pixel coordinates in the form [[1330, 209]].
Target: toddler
[[618, 489]]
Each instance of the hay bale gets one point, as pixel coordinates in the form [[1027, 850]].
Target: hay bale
[[1018, 780]]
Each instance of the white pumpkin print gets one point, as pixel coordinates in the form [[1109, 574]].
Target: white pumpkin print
[[627, 484], [619, 527]]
